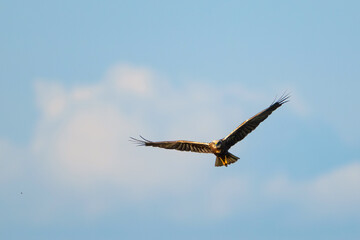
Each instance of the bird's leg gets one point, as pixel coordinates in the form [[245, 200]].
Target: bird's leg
[[222, 160], [226, 163]]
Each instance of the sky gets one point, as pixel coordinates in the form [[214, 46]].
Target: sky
[[78, 78]]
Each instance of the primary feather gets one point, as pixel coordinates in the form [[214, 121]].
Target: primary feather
[[180, 145], [249, 125]]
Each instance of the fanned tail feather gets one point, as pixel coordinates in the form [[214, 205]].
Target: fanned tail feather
[[225, 160]]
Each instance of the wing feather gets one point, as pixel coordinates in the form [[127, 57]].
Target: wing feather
[[249, 125], [180, 145]]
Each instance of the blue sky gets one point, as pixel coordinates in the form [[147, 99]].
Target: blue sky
[[78, 78]]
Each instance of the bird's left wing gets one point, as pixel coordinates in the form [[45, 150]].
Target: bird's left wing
[[180, 145], [249, 125]]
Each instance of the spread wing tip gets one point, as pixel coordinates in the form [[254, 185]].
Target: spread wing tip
[[140, 142], [285, 97]]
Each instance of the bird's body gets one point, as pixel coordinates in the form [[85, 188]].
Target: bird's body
[[223, 157], [219, 147]]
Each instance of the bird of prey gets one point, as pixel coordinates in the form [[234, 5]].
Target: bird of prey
[[219, 147]]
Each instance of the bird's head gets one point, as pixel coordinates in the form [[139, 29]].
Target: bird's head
[[218, 143]]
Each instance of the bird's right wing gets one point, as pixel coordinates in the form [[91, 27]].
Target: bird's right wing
[[249, 125], [180, 145]]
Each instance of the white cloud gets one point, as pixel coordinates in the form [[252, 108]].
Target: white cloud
[[332, 193], [135, 80], [86, 93], [338, 189], [81, 146], [85, 143], [50, 98]]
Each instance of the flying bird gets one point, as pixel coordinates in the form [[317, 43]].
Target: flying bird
[[218, 147]]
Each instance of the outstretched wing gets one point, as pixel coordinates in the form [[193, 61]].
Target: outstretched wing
[[180, 145], [249, 125]]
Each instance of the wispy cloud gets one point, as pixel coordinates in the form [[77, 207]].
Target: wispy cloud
[[331, 193], [81, 148], [127, 79]]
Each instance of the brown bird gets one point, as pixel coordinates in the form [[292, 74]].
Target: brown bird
[[219, 147]]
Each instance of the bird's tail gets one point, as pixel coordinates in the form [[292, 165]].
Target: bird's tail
[[225, 160]]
